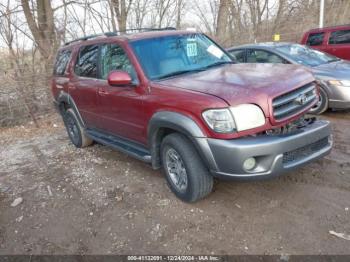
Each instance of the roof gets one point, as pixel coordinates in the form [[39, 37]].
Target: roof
[[330, 27], [93, 39], [262, 45], [155, 34]]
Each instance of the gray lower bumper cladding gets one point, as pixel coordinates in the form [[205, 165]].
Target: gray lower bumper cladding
[[273, 155]]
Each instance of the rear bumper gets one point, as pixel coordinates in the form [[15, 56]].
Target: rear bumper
[[274, 155]]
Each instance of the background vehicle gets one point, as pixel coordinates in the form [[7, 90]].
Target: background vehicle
[[334, 40], [175, 99], [332, 73]]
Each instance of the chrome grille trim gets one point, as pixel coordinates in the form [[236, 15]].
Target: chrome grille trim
[[287, 105]]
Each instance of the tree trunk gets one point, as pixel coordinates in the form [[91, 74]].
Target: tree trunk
[[121, 11], [43, 30], [222, 21]]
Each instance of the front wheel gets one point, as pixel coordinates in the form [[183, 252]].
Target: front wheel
[[322, 104], [186, 174]]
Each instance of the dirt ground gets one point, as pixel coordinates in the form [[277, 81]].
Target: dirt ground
[[99, 201]]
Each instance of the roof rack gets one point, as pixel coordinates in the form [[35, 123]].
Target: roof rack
[[116, 33]]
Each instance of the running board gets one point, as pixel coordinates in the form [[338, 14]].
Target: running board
[[126, 146]]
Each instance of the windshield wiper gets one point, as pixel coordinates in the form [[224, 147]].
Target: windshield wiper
[[218, 64], [181, 72], [333, 60]]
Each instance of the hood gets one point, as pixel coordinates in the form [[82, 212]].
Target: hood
[[245, 83], [339, 70]]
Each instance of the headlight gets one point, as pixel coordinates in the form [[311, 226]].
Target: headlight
[[339, 82], [238, 118], [220, 120], [247, 116]]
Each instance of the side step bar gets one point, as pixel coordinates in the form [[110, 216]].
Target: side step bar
[[126, 146]]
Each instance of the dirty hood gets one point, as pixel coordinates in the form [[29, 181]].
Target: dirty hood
[[245, 83]]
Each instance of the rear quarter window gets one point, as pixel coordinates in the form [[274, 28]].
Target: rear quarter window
[[315, 39], [61, 63], [340, 37]]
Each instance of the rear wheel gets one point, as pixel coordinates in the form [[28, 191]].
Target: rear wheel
[[75, 130], [322, 104], [185, 172]]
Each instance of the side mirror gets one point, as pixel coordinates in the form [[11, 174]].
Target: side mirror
[[119, 78]]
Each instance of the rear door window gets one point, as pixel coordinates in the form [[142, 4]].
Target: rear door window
[[61, 62], [262, 56], [315, 39], [238, 55], [86, 64], [340, 37]]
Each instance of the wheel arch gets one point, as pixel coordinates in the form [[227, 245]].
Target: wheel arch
[[167, 122], [65, 101]]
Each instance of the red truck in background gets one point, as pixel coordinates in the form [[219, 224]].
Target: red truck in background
[[334, 40]]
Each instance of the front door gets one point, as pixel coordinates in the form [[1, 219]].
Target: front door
[[121, 106]]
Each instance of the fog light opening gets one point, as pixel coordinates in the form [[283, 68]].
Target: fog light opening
[[249, 164]]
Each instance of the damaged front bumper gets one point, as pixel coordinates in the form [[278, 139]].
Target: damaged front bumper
[[273, 154]]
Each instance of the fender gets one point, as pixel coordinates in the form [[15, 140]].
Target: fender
[[182, 124], [64, 97]]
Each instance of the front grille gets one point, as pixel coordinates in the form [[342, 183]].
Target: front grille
[[305, 151], [294, 102]]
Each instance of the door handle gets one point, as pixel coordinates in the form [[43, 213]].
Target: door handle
[[102, 92]]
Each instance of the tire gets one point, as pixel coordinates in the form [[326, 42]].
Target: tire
[[75, 130], [322, 105], [179, 154]]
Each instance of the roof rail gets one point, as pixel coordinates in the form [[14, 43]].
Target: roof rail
[[116, 33], [328, 27]]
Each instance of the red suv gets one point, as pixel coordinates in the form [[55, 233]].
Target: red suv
[[176, 100], [333, 40]]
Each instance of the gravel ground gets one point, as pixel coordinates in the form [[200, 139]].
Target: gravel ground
[[99, 201]]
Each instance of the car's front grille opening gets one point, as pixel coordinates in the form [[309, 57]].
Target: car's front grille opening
[[294, 102], [303, 152]]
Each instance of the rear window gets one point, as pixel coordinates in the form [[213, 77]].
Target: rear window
[[315, 39], [340, 37], [86, 65], [61, 63]]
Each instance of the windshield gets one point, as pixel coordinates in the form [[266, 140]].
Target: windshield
[[178, 54], [305, 55]]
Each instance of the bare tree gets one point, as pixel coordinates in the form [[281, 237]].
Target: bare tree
[[207, 12], [121, 9], [42, 26], [140, 9], [222, 21], [17, 73], [180, 6]]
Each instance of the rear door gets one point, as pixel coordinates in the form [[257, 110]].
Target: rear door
[[339, 43], [238, 55], [121, 107], [83, 86], [263, 56]]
